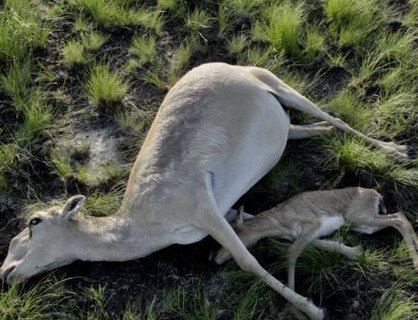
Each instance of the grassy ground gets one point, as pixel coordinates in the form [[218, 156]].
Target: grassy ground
[[80, 82]]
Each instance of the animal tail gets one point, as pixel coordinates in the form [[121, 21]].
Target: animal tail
[[294, 100]]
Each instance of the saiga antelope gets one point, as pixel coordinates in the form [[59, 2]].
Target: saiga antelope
[[219, 130], [309, 216]]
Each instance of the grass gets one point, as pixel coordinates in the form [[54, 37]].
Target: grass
[[168, 5], [93, 41], [104, 87], [314, 43], [73, 53], [16, 81], [37, 116], [46, 300], [136, 120], [395, 304], [352, 21], [117, 13], [352, 155], [162, 78], [78, 52], [243, 6], [189, 305], [144, 49], [223, 19], [349, 108], [61, 165], [237, 44], [21, 29], [196, 21], [282, 27]]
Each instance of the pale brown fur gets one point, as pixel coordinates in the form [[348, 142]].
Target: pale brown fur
[[302, 219]]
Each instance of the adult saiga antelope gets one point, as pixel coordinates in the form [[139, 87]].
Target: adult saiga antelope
[[218, 131], [309, 216]]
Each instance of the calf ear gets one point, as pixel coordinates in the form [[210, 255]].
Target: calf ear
[[72, 206]]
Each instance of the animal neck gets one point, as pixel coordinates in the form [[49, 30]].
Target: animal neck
[[113, 239]]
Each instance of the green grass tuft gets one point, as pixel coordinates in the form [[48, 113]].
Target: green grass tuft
[[282, 27], [73, 53], [105, 87], [349, 108], [16, 81], [351, 155], [119, 13], [145, 49], [168, 5], [189, 304], [352, 21], [395, 304], [196, 21], [314, 43], [237, 44], [46, 300], [93, 41], [61, 164], [21, 29], [243, 6], [37, 115]]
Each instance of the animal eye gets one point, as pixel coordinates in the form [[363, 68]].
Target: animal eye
[[34, 221]]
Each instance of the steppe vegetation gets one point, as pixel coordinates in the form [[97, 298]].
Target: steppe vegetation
[[80, 82]]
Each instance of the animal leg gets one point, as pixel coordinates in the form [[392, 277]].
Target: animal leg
[[218, 228], [225, 235], [306, 131], [293, 99], [351, 253], [397, 221], [294, 252]]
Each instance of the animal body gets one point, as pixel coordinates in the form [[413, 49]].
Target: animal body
[[309, 216], [219, 130]]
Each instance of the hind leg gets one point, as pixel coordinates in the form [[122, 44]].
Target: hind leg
[[307, 131], [398, 221], [212, 221]]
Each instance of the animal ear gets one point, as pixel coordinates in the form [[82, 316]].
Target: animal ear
[[239, 219], [72, 206]]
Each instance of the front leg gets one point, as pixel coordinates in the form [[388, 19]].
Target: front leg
[[351, 253]]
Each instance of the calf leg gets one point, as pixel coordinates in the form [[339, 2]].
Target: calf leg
[[397, 221], [294, 252], [351, 253]]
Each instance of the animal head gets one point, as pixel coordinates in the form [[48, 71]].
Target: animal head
[[44, 243], [367, 199]]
